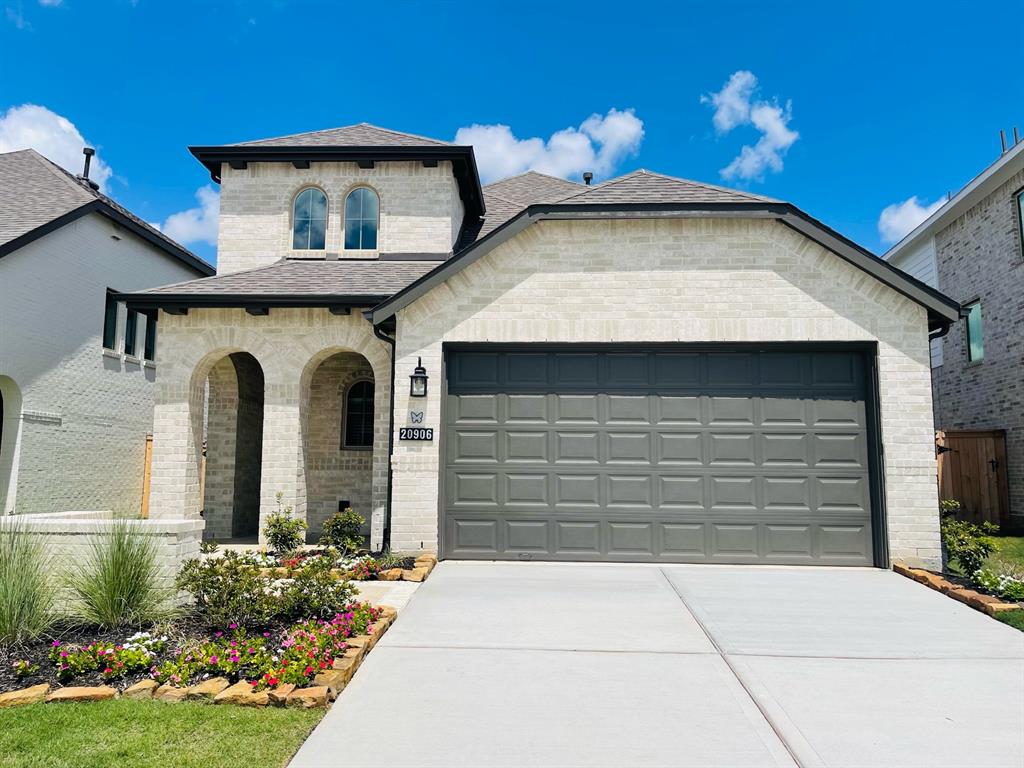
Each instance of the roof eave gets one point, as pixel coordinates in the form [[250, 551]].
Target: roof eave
[[145, 300], [942, 311], [462, 157]]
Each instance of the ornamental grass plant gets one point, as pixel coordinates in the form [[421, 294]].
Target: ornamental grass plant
[[27, 594]]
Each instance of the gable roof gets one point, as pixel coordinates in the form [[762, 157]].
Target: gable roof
[[643, 194], [362, 143], [532, 187], [359, 135], [37, 196], [1009, 163]]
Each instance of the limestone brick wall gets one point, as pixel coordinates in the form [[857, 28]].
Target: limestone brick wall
[[420, 210], [686, 280]]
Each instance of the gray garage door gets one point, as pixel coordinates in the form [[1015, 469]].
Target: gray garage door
[[657, 454]]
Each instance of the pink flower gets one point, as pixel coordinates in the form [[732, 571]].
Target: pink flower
[[213, 659]]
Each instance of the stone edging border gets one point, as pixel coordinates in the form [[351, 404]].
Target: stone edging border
[[422, 567], [978, 601], [325, 689]]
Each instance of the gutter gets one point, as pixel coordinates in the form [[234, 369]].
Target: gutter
[[390, 341]]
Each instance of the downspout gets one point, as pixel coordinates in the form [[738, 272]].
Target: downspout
[[386, 542]]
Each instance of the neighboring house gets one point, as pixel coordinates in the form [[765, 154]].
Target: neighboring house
[[649, 369], [972, 249], [76, 370]]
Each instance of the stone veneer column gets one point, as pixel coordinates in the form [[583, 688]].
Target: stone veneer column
[[283, 459]]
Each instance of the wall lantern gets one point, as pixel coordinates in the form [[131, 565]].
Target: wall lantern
[[418, 380]]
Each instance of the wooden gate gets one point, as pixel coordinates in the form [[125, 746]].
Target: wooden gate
[[972, 470]]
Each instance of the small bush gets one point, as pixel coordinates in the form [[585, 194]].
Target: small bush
[[1003, 581], [967, 543], [26, 591], [229, 591], [118, 585], [283, 532], [343, 530], [208, 546], [314, 592]]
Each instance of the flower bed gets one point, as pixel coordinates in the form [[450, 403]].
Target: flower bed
[[990, 604]]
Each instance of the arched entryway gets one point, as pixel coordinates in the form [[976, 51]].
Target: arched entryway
[[10, 438], [233, 438], [339, 431]]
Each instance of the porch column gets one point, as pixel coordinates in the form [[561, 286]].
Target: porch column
[[177, 442], [283, 459]]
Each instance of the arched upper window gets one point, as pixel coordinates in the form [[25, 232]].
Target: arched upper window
[[357, 426], [362, 212], [309, 220]]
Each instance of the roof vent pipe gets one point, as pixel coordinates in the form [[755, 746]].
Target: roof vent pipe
[[88, 152], [1002, 140], [588, 176], [1016, 136]]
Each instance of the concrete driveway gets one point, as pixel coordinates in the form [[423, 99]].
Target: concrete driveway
[[535, 664]]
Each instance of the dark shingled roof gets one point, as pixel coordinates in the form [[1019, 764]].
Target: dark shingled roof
[[643, 186], [36, 192], [533, 187], [371, 278], [361, 135]]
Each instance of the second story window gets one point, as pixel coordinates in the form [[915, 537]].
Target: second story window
[[131, 327], [110, 322], [309, 220], [149, 348], [362, 212], [1020, 219], [975, 344]]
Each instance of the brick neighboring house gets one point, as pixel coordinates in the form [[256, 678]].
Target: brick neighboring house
[[648, 369], [972, 249], [76, 370]]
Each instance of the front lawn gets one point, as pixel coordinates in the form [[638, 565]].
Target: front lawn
[[1009, 552], [1014, 618], [141, 734]]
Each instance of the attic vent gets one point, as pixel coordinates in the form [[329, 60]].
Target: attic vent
[[588, 176], [88, 152]]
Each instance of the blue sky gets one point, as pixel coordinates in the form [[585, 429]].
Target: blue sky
[[856, 107]]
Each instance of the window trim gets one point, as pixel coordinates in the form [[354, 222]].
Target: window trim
[[344, 219], [344, 415], [327, 216], [967, 332]]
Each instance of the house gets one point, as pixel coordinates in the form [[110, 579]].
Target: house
[[972, 248], [647, 369], [77, 371]]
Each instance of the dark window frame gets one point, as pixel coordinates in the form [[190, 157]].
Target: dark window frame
[[296, 218], [1018, 197], [110, 312], [131, 332], [365, 432], [976, 302], [362, 220], [149, 342]]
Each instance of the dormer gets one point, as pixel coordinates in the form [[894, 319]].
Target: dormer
[[358, 192]]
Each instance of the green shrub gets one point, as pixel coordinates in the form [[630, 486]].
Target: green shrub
[[283, 532], [26, 591], [118, 585], [967, 543], [228, 591], [208, 546], [314, 592], [343, 530], [1003, 581]]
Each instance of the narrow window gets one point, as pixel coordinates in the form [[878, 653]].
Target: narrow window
[[309, 220], [975, 344], [149, 349], [358, 418], [131, 326], [1020, 220], [362, 209], [110, 321]]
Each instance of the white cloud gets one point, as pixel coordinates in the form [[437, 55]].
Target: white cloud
[[734, 106], [51, 135], [899, 219], [197, 224], [598, 145]]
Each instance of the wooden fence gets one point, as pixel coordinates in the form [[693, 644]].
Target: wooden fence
[[972, 470]]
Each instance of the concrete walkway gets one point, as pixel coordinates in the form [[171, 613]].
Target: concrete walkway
[[534, 664]]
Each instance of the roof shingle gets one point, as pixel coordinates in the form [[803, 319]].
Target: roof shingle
[[360, 135]]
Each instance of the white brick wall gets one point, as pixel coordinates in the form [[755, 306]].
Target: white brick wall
[[84, 414], [709, 280], [420, 210]]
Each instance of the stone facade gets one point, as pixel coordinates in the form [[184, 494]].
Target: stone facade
[[75, 415], [420, 210], [706, 280], [979, 256], [306, 357]]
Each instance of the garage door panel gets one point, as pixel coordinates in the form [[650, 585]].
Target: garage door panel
[[658, 455]]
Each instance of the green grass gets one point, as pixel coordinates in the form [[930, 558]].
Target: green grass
[[1014, 618], [1009, 551], [143, 734]]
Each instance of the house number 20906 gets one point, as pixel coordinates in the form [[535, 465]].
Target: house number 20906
[[415, 433]]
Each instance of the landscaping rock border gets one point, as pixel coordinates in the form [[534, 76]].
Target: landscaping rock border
[[325, 688], [977, 600]]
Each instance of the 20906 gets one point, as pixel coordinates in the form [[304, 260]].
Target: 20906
[[415, 433]]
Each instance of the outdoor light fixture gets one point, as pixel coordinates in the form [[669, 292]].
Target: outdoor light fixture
[[418, 380]]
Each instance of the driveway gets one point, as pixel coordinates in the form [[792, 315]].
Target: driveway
[[536, 664]]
